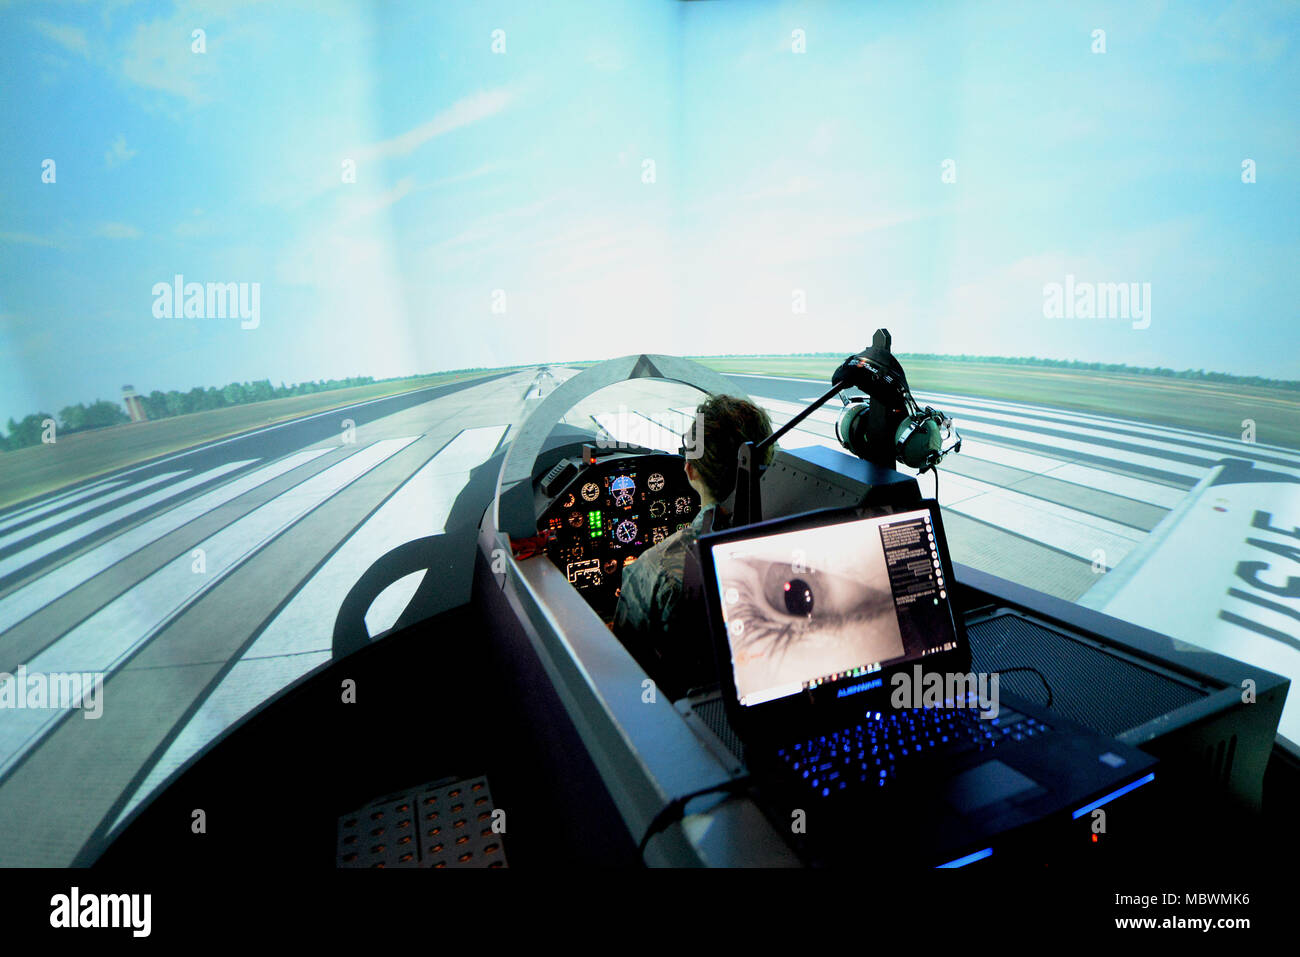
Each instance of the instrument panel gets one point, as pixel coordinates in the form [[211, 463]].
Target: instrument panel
[[611, 512]]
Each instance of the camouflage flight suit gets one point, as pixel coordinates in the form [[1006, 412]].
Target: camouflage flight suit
[[646, 617]]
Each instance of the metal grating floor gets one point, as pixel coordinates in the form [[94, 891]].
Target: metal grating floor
[[1102, 692]]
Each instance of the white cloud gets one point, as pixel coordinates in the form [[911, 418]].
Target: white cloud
[[117, 231], [158, 57], [27, 239], [118, 153], [70, 38], [372, 203], [470, 109]]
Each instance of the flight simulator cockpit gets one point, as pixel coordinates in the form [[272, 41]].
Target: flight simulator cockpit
[[676, 767]]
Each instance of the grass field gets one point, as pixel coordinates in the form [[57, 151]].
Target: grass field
[[41, 469], [1216, 408]]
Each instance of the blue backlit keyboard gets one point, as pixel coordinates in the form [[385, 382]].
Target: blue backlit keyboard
[[872, 753]]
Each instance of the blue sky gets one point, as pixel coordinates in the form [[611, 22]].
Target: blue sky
[[524, 171]]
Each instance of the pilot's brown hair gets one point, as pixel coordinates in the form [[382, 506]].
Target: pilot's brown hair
[[729, 423]]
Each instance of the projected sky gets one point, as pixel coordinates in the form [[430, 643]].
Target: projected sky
[[416, 187]]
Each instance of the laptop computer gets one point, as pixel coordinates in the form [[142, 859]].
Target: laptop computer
[[845, 672]]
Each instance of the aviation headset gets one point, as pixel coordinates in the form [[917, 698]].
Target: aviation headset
[[887, 426]]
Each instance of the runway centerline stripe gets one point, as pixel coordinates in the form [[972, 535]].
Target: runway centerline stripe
[[53, 585], [48, 546], [107, 639]]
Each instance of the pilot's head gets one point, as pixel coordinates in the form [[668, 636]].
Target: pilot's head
[[728, 423]]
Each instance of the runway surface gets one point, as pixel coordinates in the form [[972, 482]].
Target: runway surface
[[205, 583]]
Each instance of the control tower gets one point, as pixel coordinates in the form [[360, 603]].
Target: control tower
[[134, 404]]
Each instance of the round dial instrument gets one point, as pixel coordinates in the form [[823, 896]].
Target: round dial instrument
[[575, 519], [657, 509], [590, 492], [655, 482], [622, 489], [625, 531]]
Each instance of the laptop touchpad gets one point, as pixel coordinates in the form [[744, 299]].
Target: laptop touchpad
[[986, 784]]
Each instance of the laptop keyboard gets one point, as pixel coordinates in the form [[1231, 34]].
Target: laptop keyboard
[[872, 754]]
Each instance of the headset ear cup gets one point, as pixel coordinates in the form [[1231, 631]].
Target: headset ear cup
[[918, 441]]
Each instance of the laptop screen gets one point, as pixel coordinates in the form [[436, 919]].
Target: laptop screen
[[832, 603]]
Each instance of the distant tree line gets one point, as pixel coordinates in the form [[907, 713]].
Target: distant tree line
[[162, 405], [1199, 375]]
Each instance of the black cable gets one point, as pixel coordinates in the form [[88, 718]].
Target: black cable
[[1035, 671], [936, 483], [676, 808]]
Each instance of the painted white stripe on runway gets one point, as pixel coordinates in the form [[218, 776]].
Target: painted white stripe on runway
[[301, 635], [31, 511], [75, 534], [1050, 444], [1153, 493], [1069, 530], [1173, 433], [1061, 468], [32, 530], [1080, 427], [39, 592], [1170, 434], [416, 510], [106, 639], [1077, 533], [341, 410]]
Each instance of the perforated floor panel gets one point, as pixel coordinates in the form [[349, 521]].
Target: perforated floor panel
[[445, 823], [1101, 691]]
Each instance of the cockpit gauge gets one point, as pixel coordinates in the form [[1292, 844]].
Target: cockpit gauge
[[625, 531], [611, 566], [655, 482], [657, 509], [622, 490], [575, 519], [590, 492], [568, 501], [657, 535], [683, 505]]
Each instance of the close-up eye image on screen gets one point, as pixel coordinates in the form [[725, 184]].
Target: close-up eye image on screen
[[800, 607], [601, 435]]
